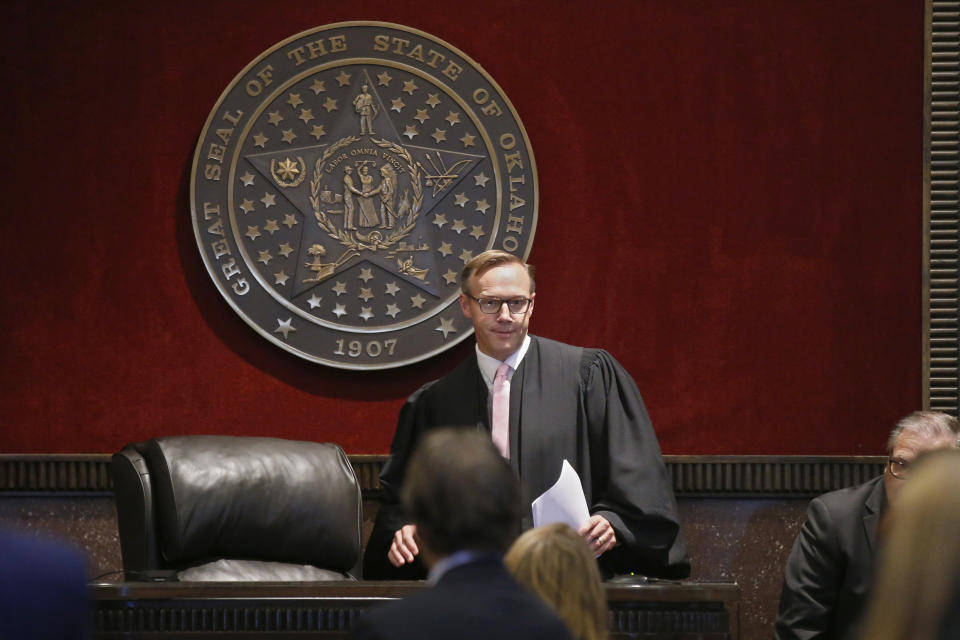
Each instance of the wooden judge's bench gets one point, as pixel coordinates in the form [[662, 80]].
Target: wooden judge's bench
[[740, 516], [139, 610]]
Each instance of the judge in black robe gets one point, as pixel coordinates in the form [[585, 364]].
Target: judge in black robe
[[568, 403]]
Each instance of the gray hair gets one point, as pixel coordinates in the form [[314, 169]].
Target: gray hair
[[926, 424]]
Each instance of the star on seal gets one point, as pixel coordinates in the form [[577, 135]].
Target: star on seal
[[346, 190]]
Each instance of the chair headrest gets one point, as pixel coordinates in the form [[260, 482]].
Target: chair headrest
[[255, 498]]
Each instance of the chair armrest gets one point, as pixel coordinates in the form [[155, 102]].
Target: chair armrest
[[136, 516]]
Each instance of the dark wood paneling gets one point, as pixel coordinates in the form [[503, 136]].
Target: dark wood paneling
[[692, 475], [86, 473], [135, 610], [942, 204]]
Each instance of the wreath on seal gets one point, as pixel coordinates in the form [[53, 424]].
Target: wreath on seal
[[375, 240]]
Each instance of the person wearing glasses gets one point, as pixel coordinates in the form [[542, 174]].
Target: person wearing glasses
[[830, 568], [542, 402]]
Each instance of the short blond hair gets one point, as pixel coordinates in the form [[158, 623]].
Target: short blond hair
[[919, 562], [487, 260], [558, 565]]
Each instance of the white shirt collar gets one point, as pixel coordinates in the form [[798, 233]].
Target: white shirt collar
[[452, 561], [488, 364]]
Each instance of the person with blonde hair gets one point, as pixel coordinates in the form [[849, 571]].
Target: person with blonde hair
[[918, 579], [557, 564]]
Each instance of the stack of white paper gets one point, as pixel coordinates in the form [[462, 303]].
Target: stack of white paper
[[563, 502]]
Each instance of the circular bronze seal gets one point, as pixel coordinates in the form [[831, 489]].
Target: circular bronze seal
[[343, 180]]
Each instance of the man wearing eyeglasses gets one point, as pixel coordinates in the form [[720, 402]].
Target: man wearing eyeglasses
[[830, 568], [543, 402]]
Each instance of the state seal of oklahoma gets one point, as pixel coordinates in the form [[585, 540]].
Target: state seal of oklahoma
[[343, 180]]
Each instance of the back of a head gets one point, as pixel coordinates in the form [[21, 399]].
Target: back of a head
[[461, 493], [920, 555], [557, 564]]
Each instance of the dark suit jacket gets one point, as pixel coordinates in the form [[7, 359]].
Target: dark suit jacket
[[475, 601], [830, 568], [43, 589]]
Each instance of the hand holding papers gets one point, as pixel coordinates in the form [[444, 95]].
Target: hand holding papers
[[563, 502]]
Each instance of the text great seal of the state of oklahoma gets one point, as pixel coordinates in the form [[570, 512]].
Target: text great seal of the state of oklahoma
[[343, 180]]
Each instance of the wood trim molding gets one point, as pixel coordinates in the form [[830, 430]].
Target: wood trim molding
[[760, 476], [55, 473], [941, 205], [327, 609], [692, 476]]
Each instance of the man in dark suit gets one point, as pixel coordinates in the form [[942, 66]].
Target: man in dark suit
[[830, 568], [465, 501]]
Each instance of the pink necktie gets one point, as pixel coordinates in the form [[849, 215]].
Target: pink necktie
[[501, 410]]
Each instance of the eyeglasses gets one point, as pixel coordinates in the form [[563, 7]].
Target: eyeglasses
[[493, 305], [899, 468]]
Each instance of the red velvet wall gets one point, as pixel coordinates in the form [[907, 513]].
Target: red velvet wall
[[730, 203]]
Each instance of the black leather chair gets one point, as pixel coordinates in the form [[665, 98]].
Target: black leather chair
[[202, 508]]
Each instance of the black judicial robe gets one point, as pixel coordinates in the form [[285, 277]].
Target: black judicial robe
[[568, 403]]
